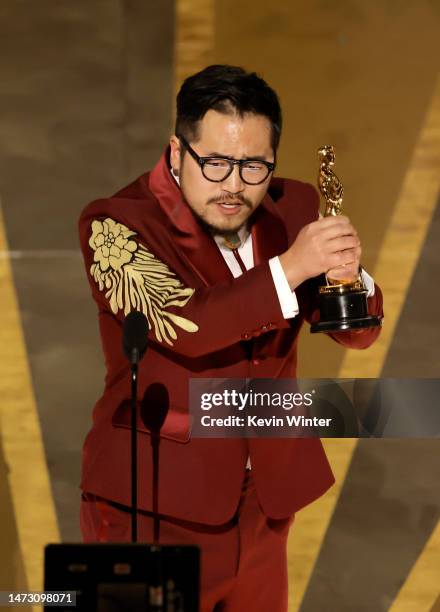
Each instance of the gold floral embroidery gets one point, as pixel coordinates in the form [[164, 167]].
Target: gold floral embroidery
[[110, 241], [134, 279]]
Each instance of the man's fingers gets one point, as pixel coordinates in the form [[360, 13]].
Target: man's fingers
[[336, 226], [342, 243], [342, 258]]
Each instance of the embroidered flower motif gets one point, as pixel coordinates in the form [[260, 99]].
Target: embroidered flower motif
[[110, 241], [134, 279]]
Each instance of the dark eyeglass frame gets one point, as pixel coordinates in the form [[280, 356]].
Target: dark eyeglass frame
[[231, 161]]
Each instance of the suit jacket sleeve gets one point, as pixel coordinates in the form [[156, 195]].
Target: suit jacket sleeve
[[192, 321]]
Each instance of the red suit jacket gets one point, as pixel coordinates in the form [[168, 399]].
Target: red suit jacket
[[145, 250]]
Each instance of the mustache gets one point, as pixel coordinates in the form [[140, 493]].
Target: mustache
[[230, 200]]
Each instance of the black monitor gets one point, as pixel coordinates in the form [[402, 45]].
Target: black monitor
[[125, 577]]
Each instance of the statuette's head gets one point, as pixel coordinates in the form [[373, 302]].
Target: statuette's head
[[227, 132], [326, 155]]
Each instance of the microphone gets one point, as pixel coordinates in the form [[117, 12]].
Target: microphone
[[154, 407], [135, 336]]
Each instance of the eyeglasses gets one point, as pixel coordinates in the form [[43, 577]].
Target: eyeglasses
[[217, 169]]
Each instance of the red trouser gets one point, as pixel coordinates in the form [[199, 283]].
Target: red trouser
[[243, 562]]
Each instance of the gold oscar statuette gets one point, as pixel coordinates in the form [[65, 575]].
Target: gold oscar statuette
[[342, 303]]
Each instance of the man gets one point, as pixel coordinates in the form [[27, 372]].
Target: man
[[223, 259]]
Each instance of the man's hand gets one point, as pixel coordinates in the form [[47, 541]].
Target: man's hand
[[329, 245]]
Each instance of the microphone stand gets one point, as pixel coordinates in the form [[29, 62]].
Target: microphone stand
[[155, 439], [134, 478]]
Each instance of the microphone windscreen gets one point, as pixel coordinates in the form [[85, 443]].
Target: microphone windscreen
[[154, 407], [135, 334]]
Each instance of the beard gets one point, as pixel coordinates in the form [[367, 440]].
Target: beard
[[214, 228]]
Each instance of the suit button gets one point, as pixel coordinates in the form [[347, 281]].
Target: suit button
[[255, 361], [245, 336]]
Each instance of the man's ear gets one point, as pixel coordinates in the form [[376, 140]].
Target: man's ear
[[175, 154]]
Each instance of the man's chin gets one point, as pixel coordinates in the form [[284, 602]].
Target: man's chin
[[224, 226]]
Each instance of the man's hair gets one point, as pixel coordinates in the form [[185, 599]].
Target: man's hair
[[225, 89]]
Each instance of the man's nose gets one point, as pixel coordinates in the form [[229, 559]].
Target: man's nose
[[234, 183]]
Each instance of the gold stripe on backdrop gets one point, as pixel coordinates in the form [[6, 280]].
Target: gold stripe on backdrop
[[194, 37], [21, 436], [403, 241], [397, 261], [310, 526], [422, 587]]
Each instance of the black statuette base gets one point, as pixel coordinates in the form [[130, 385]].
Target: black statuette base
[[344, 310], [345, 324]]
